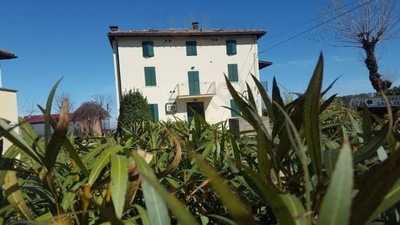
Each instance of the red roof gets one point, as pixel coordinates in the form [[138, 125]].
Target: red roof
[[32, 119]]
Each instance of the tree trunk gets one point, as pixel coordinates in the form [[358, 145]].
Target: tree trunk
[[375, 77]]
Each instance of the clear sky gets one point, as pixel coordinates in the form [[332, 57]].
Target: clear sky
[[68, 39]]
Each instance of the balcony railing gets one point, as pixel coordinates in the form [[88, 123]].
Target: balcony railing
[[202, 89]]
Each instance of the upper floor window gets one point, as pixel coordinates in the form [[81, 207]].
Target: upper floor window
[[231, 47], [148, 49], [233, 73], [191, 48], [150, 76]]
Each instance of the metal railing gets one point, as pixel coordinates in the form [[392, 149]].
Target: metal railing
[[183, 90]]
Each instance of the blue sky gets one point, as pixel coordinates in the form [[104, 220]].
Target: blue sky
[[67, 39]]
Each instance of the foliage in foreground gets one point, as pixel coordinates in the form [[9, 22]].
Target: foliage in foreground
[[316, 165]]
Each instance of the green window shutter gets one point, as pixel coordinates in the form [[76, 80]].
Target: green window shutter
[[148, 49], [194, 82], [191, 48], [154, 111], [231, 47], [150, 76], [235, 111], [233, 73]]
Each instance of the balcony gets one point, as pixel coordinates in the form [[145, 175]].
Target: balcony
[[193, 90]]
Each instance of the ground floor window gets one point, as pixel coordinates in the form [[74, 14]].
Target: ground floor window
[[154, 112], [235, 111]]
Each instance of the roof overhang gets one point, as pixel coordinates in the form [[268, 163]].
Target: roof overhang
[[184, 33], [6, 55], [8, 90], [263, 64]]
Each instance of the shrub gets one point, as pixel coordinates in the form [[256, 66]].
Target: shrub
[[133, 108]]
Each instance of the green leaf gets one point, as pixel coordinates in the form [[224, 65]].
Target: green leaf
[[311, 116], [231, 201], [328, 102], [119, 183], [372, 144], [9, 133], [374, 187], [102, 162], [155, 205], [180, 211], [252, 101], [68, 200], [75, 156], [45, 218], [264, 150], [143, 215], [276, 97], [47, 114], [336, 204], [287, 208], [300, 149], [68, 146], [264, 95], [223, 220], [389, 201], [15, 196]]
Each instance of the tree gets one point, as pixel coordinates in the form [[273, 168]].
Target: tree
[[133, 108], [366, 27], [89, 117], [105, 101]]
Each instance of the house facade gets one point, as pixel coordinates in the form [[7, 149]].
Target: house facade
[[181, 72], [8, 102]]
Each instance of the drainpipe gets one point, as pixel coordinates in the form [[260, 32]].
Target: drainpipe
[[117, 73]]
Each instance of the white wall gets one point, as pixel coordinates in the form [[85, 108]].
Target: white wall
[[8, 109], [172, 66]]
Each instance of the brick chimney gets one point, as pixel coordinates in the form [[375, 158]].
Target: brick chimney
[[195, 25], [114, 28]]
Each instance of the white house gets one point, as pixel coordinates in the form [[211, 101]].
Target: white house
[[181, 72], [8, 102]]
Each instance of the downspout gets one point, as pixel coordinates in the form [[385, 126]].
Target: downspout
[[117, 72]]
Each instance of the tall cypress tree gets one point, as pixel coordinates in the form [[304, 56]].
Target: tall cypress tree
[[133, 108]]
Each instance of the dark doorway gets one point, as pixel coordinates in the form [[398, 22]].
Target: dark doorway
[[194, 108]]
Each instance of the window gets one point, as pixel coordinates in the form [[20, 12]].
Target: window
[[233, 72], [235, 111], [150, 76], [153, 108], [231, 47], [191, 48], [148, 49]]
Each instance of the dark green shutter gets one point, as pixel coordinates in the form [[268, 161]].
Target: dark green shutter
[[233, 73], [235, 111], [231, 47], [153, 111], [191, 48], [148, 50], [150, 76], [194, 83]]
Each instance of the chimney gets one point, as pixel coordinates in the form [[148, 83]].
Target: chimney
[[114, 28], [195, 25]]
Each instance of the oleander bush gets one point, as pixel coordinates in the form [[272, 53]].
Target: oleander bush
[[317, 164]]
